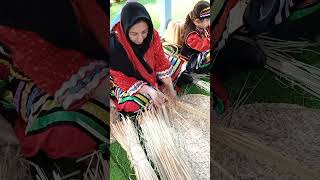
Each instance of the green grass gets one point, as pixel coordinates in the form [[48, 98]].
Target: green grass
[[271, 90], [193, 89], [120, 168]]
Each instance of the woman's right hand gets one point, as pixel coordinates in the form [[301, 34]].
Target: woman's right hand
[[157, 96]]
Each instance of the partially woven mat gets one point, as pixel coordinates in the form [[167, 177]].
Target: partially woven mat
[[190, 134], [193, 141], [291, 130]]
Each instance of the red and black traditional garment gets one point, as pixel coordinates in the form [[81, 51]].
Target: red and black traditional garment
[[196, 41], [54, 62], [133, 66], [196, 48], [52, 94], [196, 45]]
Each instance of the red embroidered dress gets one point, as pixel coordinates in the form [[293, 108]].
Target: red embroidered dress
[[199, 40], [196, 49], [126, 87], [134, 65], [54, 80]]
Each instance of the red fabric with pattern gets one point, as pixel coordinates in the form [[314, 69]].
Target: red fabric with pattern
[[195, 41], [220, 26], [48, 66], [57, 142], [122, 80], [128, 106], [154, 56], [92, 17]]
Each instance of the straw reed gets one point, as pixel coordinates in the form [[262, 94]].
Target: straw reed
[[160, 130], [160, 145], [281, 62], [125, 133], [243, 143], [290, 132]]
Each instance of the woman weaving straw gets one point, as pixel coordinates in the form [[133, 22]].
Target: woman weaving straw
[[139, 69], [141, 78]]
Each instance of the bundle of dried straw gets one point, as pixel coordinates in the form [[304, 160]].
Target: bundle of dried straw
[[281, 62], [155, 127], [125, 133]]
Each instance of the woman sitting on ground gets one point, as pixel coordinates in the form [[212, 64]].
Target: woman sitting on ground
[[140, 71]]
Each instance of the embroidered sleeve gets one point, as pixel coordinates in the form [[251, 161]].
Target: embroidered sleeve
[[129, 84], [81, 84], [195, 41], [8, 70], [163, 66]]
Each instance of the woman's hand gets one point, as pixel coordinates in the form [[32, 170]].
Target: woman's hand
[[170, 89], [172, 94], [157, 96]]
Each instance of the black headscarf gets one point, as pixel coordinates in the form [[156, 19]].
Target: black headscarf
[[132, 13]]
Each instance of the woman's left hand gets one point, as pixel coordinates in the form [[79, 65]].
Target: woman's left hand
[[169, 88], [172, 94]]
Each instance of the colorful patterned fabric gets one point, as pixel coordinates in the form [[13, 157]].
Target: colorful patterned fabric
[[40, 111], [201, 63], [219, 19], [48, 106], [303, 12], [178, 66], [7, 109], [59, 72]]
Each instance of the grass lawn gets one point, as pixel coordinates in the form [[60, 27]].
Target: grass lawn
[[271, 89]]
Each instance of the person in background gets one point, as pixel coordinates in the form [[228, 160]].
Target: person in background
[[196, 38]]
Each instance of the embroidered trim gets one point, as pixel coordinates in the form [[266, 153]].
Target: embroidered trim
[[135, 88], [74, 95], [81, 84], [166, 73], [74, 78]]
